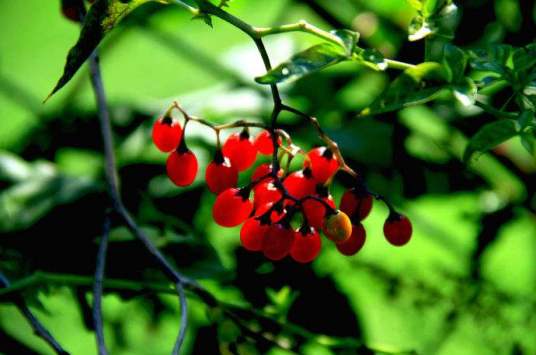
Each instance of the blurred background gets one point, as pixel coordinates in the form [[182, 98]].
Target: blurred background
[[465, 284]]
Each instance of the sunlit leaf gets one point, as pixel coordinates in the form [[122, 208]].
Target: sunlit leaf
[[101, 18], [490, 136], [309, 61]]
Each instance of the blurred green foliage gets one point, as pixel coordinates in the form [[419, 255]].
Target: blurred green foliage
[[464, 285]]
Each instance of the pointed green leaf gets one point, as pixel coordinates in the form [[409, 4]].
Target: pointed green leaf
[[416, 85], [310, 60], [102, 17], [455, 62], [528, 140], [490, 136], [465, 92]]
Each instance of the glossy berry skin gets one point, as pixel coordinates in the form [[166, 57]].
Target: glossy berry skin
[[315, 211], [323, 164], [306, 246], [181, 167], [220, 174], [277, 242], [300, 183], [397, 229], [252, 234], [240, 150], [356, 241], [167, 134], [356, 204], [276, 214], [232, 207], [337, 227], [263, 170], [264, 193], [263, 143]]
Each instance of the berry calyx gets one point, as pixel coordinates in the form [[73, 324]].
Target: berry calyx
[[167, 134], [300, 183], [356, 203], [315, 211], [278, 241], [232, 207], [181, 167], [337, 227], [263, 143], [252, 234], [220, 174], [240, 150], [397, 229], [323, 164], [354, 243], [306, 245]]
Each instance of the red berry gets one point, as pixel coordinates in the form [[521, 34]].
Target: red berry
[[315, 211], [264, 144], [306, 246], [397, 229], [356, 204], [240, 150], [275, 216], [232, 207], [337, 227], [356, 241], [167, 134], [181, 167], [220, 174], [323, 164], [252, 234], [277, 242], [300, 183], [266, 192], [263, 170]]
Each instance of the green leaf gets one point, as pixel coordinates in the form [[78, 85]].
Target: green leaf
[[414, 86], [416, 4], [465, 92], [455, 62], [372, 58], [493, 59], [490, 136], [528, 140], [432, 7], [419, 28], [102, 17], [310, 60]]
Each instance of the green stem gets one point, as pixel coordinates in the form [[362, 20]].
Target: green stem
[[493, 111], [302, 26], [395, 64]]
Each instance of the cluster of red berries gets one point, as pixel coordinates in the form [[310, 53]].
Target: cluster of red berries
[[278, 198]]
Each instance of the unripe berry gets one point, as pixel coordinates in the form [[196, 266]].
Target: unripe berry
[[337, 227], [397, 229], [356, 241], [240, 150], [264, 144], [181, 167], [220, 174], [300, 183], [306, 246], [252, 234], [232, 207], [356, 203], [323, 164], [315, 211], [277, 242], [167, 134]]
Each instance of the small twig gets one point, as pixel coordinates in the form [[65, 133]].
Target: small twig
[[184, 319], [39, 329], [97, 287]]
